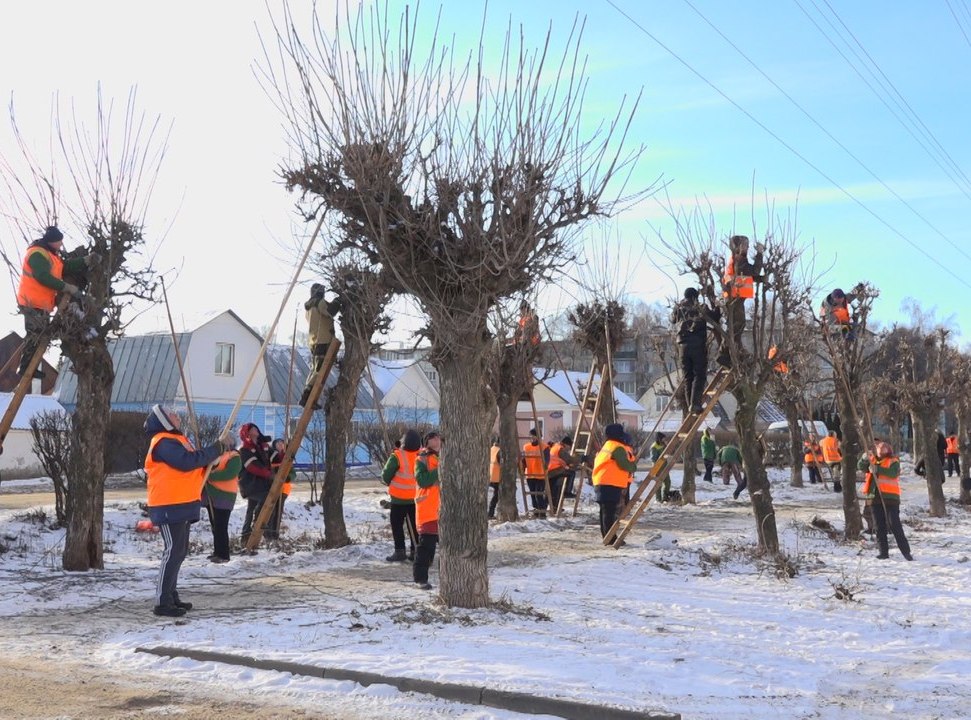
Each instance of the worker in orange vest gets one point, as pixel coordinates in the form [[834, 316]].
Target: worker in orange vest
[[535, 456], [278, 451], [399, 476], [953, 455], [832, 456], [738, 283], [527, 329], [41, 281], [495, 474], [612, 470], [881, 487], [175, 473], [219, 497], [562, 467], [427, 503], [813, 458], [835, 310]]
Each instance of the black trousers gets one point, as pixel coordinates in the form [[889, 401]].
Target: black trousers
[[176, 539], [694, 367], [494, 501], [709, 466], [885, 514], [400, 514], [272, 529], [424, 556], [254, 503], [814, 475], [609, 499], [953, 464], [219, 521], [538, 486]]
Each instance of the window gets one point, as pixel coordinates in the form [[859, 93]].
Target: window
[[225, 358], [660, 401], [627, 386], [623, 366]]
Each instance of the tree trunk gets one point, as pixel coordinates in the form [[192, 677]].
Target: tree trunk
[[339, 412], [791, 411], [851, 449], [925, 429], [607, 410], [758, 481], [964, 443], [466, 408], [895, 437], [509, 450], [84, 541]]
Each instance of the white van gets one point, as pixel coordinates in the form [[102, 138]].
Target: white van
[[783, 427]]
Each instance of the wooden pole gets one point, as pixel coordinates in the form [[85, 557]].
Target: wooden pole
[[293, 355], [178, 358], [610, 372]]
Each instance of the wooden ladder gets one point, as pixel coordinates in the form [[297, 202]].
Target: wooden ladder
[[527, 493], [809, 430], [293, 446], [583, 436], [665, 462]]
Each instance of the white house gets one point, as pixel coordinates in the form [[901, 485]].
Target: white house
[[403, 390], [18, 458]]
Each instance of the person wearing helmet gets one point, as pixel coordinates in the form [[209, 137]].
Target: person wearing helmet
[[881, 487], [320, 333]]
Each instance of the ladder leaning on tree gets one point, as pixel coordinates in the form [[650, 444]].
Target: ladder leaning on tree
[[662, 466], [583, 434]]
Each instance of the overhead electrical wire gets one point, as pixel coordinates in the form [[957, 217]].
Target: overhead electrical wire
[[786, 145]]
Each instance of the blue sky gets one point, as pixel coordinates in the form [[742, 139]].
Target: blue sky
[[230, 224]]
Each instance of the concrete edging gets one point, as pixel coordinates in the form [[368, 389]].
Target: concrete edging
[[466, 694]]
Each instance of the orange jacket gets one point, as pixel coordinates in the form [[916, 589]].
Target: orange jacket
[[403, 484], [494, 470], [606, 471], [166, 485], [831, 449], [533, 459], [31, 293], [813, 453], [556, 462], [888, 478], [737, 286], [427, 499], [952, 445]]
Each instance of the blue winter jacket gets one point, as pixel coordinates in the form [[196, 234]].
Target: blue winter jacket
[[173, 453]]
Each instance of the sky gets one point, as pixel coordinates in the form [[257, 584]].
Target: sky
[[740, 102]]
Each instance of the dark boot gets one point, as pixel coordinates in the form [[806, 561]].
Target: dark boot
[[397, 556], [168, 610], [179, 604]]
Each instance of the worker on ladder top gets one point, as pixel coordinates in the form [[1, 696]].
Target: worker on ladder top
[[527, 329], [41, 281], [835, 311], [693, 318], [738, 284], [321, 332]]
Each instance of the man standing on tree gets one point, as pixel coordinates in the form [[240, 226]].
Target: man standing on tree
[[40, 282], [175, 472], [320, 328], [692, 319], [739, 285]]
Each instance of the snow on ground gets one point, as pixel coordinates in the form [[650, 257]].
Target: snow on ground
[[684, 618]]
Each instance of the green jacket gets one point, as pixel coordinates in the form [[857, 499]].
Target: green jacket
[[619, 456], [707, 447], [656, 450], [40, 266], [423, 476], [729, 454]]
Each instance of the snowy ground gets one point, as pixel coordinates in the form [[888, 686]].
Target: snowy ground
[[684, 618]]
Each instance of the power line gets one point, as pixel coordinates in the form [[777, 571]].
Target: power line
[[786, 145], [827, 132], [958, 21]]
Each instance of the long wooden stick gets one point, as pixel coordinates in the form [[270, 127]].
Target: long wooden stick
[[193, 423], [293, 356], [610, 372]]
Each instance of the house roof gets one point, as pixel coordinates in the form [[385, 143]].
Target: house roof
[[565, 383], [31, 406], [145, 366]]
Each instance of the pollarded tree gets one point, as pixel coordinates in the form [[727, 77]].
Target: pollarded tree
[[600, 326], [959, 366], [98, 182], [466, 186], [751, 328], [364, 296]]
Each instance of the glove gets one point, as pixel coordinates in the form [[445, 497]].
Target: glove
[[227, 441], [70, 289], [92, 259]]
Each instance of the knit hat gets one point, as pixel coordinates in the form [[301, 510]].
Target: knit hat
[[614, 431], [317, 289], [52, 235], [161, 415]]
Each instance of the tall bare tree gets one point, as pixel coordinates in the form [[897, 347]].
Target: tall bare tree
[[97, 185], [600, 326], [465, 184], [748, 336]]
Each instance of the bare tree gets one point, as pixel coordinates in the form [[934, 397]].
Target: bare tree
[[467, 186], [364, 295], [600, 326], [959, 366], [747, 342], [51, 432], [98, 180]]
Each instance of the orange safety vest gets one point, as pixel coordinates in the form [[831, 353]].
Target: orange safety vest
[[427, 500], [781, 366], [286, 486], [403, 485], [952, 445], [606, 471], [831, 449], [31, 293], [494, 472], [528, 323], [737, 286], [886, 485], [556, 462], [232, 484], [533, 454], [841, 314], [813, 454], [166, 485]]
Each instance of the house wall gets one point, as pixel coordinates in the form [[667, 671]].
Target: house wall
[[413, 390], [18, 459], [204, 384]]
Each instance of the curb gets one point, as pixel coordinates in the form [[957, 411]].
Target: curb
[[466, 694]]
